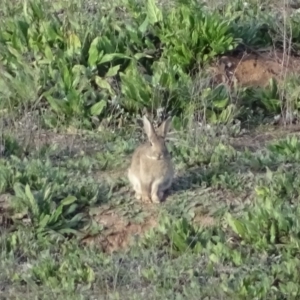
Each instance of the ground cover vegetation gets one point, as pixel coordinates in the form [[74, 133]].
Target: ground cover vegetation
[[76, 77]]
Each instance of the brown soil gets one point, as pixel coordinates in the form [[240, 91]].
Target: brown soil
[[254, 69], [118, 232], [35, 139], [258, 140]]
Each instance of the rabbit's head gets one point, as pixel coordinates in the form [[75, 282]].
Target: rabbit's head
[[156, 149]]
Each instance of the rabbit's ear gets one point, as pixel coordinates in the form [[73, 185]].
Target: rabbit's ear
[[164, 127], [148, 127]]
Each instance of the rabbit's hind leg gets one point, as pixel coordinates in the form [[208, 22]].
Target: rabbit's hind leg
[[136, 184]]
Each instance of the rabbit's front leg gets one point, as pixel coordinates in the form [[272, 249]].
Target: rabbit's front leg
[[156, 192]]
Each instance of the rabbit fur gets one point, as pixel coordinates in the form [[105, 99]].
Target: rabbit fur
[[151, 171]]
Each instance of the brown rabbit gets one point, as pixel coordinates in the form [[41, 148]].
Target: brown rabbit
[[151, 171]]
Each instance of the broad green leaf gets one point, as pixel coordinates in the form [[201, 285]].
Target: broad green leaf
[[49, 32], [262, 191], [227, 115], [68, 200], [44, 222], [198, 248], [72, 208], [23, 26], [86, 45], [47, 193], [56, 215], [212, 116], [269, 174], [112, 71], [75, 101], [19, 192], [153, 12], [30, 197], [94, 53], [37, 10], [25, 12], [79, 69], [273, 232], [98, 108], [77, 218], [13, 51], [143, 27], [55, 104], [237, 258], [110, 57], [102, 83], [220, 103], [90, 274], [138, 56], [74, 44], [237, 226], [106, 44], [214, 258], [178, 241], [48, 53], [66, 74]]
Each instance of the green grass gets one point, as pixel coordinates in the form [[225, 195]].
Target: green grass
[[75, 78]]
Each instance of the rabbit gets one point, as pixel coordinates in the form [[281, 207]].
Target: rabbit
[[151, 171]]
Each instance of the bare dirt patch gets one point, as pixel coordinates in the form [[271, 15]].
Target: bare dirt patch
[[254, 69], [258, 140], [72, 143], [204, 220], [118, 232]]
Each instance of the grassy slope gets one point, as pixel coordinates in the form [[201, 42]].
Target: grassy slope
[[226, 182], [197, 256]]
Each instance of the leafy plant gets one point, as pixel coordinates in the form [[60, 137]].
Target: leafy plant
[[287, 149], [272, 223], [180, 235], [54, 274], [192, 37], [45, 215]]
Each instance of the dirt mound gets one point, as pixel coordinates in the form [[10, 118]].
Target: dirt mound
[[254, 69], [118, 232]]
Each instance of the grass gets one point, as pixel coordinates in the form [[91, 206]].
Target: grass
[[75, 79]]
